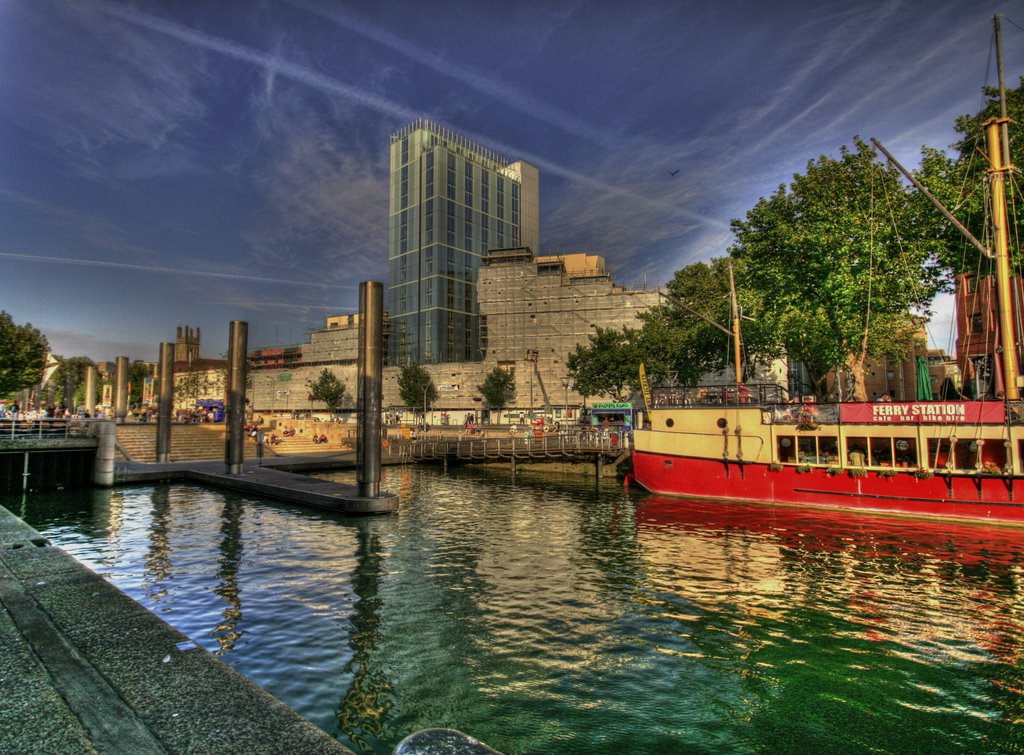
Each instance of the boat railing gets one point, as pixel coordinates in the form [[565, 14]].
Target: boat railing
[[757, 394], [808, 415]]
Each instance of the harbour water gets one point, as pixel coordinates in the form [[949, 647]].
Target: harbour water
[[544, 616]]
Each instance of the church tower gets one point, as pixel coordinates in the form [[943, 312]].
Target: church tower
[[186, 345]]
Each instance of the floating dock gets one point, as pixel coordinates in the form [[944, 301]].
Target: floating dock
[[273, 479]]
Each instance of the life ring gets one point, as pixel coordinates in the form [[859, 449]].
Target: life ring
[[384, 443]]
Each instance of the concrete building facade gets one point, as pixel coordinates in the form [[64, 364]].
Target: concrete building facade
[[450, 202], [536, 310]]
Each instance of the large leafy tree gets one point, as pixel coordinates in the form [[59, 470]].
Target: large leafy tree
[[689, 335], [608, 364], [23, 352], [498, 388], [329, 389], [138, 371], [841, 263], [75, 368], [958, 180], [415, 386]]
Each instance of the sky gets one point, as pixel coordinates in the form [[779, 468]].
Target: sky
[[167, 163]]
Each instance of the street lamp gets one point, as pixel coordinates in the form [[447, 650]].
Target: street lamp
[[424, 408], [566, 382]]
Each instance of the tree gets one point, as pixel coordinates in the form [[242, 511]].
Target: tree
[[498, 388], [23, 352], [959, 183], [138, 371], [609, 365], [841, 264], [684, 337], [329, 389], [415, 387], [75, 368]]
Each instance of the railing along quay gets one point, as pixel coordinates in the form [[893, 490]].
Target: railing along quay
[[53, 428], [586, 445]]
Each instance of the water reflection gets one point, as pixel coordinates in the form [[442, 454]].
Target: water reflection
[[231, 549], [369, 697], [544, 616]]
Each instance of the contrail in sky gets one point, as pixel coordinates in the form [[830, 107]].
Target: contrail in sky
[[326, 84], [171, 270]]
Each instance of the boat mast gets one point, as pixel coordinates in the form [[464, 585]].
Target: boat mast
[[997, 173], [735, 327], [999, 161]]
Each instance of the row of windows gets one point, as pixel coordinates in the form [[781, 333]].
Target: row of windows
[[901, 452], [496, 235]]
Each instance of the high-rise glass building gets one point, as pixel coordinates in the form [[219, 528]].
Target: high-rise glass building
[[451, 201]]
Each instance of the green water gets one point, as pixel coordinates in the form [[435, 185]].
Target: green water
[[543, 616]]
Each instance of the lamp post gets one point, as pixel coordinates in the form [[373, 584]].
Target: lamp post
[[424, 408], [566, 382]]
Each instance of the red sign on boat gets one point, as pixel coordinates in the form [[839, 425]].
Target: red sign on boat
[[923, 412]]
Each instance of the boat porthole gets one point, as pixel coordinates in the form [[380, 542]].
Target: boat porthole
[[668, 463], [669, 422]]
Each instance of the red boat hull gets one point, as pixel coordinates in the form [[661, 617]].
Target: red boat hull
[[975, 497]]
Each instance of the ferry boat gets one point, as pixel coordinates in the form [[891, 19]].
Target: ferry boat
[[962, 459]]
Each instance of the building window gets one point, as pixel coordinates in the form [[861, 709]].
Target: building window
[[405, 150], [451, 223], [451, 177], [430, 175], [978, 323], [469, 184]]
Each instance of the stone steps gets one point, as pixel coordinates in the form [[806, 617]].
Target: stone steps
[[188, 442]]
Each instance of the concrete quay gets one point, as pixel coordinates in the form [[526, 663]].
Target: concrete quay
[[84, 668], [274, 479]]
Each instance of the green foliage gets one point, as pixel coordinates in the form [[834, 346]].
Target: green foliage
[[75, 367], [608, 365], [498, 388], [329, 389], [412, 382], [138, 371], [840, 264], [959, 182], [680, 337], [23, 352]]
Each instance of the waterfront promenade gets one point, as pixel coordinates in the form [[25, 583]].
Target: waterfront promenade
[[83, 668]]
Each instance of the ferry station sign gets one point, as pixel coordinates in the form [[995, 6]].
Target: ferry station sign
[[923, 412]]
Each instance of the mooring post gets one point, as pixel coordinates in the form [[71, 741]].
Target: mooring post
[[90, 390], [121, 390], [165, 403], [103, 470], [234, 443], [370, 374]]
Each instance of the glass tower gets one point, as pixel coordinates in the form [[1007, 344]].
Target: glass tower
[[450, 202]]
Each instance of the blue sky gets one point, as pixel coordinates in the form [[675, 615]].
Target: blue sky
[[191, 163]]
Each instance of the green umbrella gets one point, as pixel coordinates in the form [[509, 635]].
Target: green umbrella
[[924, 380]]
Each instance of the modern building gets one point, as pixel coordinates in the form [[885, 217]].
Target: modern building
[[451, 201]]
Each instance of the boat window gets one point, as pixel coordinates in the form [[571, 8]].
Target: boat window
[[787, 449], [938, 453], [828, 449], [880, 452], [993, 455], [965, 454], [906, 452], [808, 450], [857, 451]]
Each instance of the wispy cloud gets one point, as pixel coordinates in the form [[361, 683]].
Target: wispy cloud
[[189, 273], [498, 91], [108, 117]]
